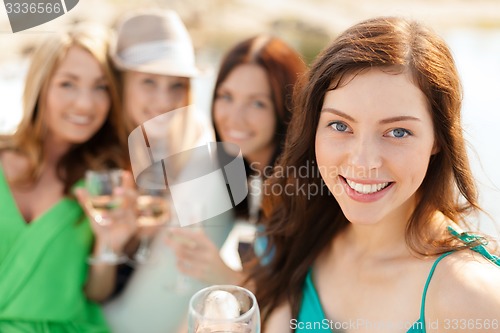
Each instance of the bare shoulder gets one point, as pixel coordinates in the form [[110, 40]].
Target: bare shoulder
[[280, 320], [465, 291], [12, 163]]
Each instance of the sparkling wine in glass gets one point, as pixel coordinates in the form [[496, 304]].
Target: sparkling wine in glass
[[102, 208], [103, 205], [223, 309]]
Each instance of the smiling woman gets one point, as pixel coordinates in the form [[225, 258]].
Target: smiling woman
[[251, 108], [77, 99], [244, 113], [70, 124], [372, 149], [379, 114]]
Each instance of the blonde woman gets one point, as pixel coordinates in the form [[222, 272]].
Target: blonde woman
[[70, 124]]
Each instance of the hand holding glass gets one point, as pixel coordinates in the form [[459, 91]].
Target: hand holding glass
[[103, 203], [153, 211], [194, 213]]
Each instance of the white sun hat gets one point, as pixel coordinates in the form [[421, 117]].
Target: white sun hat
[[154, 42]]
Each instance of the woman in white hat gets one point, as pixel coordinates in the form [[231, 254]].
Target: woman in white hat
[[154, 56]]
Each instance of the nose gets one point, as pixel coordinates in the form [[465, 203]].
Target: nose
[[85, 100], [162, 103], [236, 114], [364, 155]]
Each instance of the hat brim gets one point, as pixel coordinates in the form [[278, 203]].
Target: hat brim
[[160, 67]]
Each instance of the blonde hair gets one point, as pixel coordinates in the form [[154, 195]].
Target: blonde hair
[[29, 137]]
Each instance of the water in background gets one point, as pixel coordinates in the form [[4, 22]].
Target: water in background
[[477, 53]]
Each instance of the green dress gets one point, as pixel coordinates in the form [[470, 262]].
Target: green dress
[[43, 270]]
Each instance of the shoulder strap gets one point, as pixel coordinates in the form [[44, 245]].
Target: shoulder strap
[[424, 293], [476, 243]]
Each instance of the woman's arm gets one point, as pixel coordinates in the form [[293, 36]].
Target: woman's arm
[[279, 320], [101, 279]]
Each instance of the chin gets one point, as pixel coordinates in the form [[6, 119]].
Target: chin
[[78, 140], [364, 217]]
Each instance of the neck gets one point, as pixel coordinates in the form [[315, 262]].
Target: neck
[[260, 160], [54, 151], [375, 242], [382, 240]]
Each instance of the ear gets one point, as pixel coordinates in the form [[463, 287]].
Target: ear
[[435, 148]]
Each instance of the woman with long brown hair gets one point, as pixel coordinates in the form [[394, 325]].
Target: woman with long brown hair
[[251, 108], [368, 241]]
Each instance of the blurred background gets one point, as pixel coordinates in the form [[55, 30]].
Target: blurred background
[[471, 28]]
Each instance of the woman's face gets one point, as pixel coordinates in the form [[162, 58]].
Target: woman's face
[[149, 95], [77, 99], [244, 112], [373, 144]]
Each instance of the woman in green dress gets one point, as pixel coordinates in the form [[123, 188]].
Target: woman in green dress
[[70, 124]]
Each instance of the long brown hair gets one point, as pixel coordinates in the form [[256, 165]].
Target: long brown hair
[[283, 66], [301, 225], [105, 148]]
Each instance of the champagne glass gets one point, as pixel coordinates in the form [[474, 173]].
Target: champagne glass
[[153, 212], [103, 205], [194, 212], [223, 309]]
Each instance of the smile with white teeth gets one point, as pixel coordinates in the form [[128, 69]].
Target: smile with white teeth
[[366, 188], [78, 119], [238, 135]]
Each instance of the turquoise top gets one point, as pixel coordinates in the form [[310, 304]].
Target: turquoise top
[[312, 318], [311, 312]]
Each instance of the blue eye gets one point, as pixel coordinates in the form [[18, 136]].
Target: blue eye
[[66, 84], [224, 97], [103, 87], [149, 82], [259, 104], [338, 126], [178, 85], [399, 133]]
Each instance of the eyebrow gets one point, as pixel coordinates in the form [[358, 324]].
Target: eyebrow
[[76, 77], [339, 113], [383, 121], [223, 89], [70, 75], [261, 95]]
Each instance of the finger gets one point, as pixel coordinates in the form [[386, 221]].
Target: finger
[[128, 180], [83, 199], [190, 235]]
